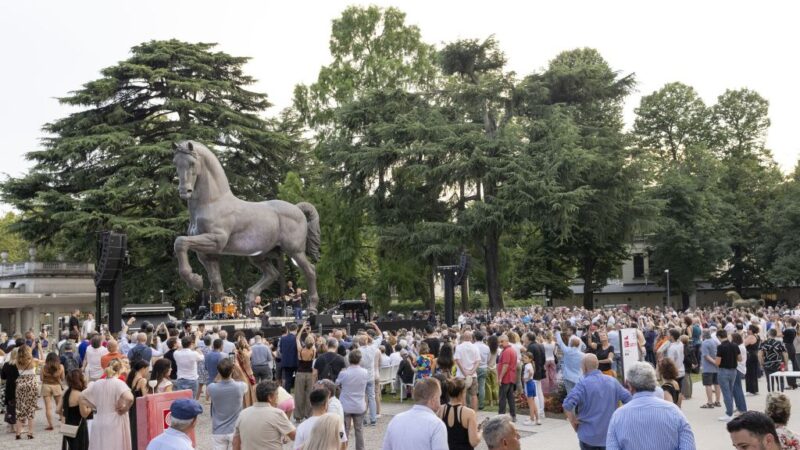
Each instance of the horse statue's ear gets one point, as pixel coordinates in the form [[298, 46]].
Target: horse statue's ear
[[174, 146], [189, 144]]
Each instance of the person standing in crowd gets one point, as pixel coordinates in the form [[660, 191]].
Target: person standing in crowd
[[113, 353], [483, 367], [770, 355], [242, 370], [319, 407], [789, 334], [88, 325], [140, 350], [751, 344], [212, 360], [92, 359], [741, 372], [186, 359], [226, 404], [368, 346], [501, 434], [753, 430], [261, 359], [690, 363], [529, 388], [111, 398], [573, 360], [779, 408], [162, 369], [74, 325], [204, 347], [75, 413], [263, 426], [27, 391], [328, 365], [288, 348], [506, 373], [591, 403], [137, 383], [708, 364], [633, 426], [183, 418], [605, 354], [673, 350], [327, 434], [429, 432], [353, 381], [304, 377], [425, 364], [460, 421], [52, 376], [669, 374], [467, 359]]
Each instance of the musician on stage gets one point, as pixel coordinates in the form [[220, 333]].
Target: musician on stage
[[254, 307], [297, 303]]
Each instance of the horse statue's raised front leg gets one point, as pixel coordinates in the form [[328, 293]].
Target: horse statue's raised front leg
[[202, 243]]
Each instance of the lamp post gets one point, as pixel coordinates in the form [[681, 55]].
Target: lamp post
[[666, 271], [162, 295]]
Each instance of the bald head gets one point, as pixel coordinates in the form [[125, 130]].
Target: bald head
[[589, 363]]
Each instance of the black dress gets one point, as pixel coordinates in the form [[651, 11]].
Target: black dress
[[10, 373], [72, 416], [788, 341], [751, 377], [457, 435], [132, 417]]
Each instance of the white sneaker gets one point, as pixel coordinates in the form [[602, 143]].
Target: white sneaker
[[725, 418], [528, 422], [538, 422]]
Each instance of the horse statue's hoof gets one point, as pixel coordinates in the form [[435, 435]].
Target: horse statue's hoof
[[196, 282]]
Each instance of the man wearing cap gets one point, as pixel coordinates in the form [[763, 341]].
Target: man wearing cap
[[183, 416]]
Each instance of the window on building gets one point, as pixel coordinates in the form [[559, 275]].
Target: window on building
[[638, 266]]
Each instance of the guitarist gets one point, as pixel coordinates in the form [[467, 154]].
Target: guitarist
[[255, 308]]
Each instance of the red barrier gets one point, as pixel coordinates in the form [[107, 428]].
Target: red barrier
[[152, 416]]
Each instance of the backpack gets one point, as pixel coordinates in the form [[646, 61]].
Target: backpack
[[137, 353], [70, 363]]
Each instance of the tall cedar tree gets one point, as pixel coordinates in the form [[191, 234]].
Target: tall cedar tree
[[108, 166]]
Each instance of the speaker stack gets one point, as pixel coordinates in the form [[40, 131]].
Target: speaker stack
[[111, 254]]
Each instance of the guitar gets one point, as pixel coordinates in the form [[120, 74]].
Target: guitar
[[257, 310]]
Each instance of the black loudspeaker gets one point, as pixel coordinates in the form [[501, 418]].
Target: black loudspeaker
[[325, 320], [230, 329], [111, 249]]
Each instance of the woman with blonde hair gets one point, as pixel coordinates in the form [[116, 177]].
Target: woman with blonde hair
[[779, 408], [111, 398], [243, 370], [27, 391], [304, 377], [325, 435]]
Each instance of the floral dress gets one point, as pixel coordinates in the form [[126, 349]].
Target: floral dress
[[424, 364], [789, 441]]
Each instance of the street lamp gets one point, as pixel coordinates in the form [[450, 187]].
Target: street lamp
[[162, 295], [666, 271]]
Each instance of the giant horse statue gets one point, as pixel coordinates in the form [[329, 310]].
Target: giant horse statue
[[738, 302], [221, 224]]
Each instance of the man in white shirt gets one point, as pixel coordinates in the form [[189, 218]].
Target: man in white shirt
[[369, 351], [467, 359], [227, 346], [419, 428], [88, 325], [319, 406], [186, 359]]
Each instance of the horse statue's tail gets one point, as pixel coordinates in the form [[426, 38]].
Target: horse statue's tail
[[313, 234]]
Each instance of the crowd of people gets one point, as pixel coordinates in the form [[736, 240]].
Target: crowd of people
[[319, 391]]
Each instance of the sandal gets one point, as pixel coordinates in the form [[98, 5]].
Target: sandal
[[49, 429], [30, 436], [717, 405], [707, 406], [18, 437]]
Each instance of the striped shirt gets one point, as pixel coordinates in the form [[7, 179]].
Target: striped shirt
[[647, 422]]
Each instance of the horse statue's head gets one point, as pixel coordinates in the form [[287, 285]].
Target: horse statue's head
[[187, 161]]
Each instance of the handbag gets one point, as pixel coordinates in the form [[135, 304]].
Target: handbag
[[70, 431], [11, 413]]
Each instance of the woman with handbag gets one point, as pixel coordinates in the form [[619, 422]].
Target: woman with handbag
[[74, 415]]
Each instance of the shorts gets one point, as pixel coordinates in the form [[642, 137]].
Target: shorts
[[530, 388], [472, 385], [53, 390], [710, 379]]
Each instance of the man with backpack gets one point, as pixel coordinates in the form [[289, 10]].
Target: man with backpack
[[330, 363], [140, 350], [69, 359]]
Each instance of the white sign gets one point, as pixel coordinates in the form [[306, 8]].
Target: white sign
[[630, 348]]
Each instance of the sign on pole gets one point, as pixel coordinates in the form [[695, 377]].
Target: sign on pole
[[630, 348]]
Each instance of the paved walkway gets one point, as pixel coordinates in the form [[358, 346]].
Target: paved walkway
[[556, 434]]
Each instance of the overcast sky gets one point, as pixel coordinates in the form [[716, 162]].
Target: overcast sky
[[52, 47]]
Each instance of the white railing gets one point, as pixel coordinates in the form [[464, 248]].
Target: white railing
[[42, 268]]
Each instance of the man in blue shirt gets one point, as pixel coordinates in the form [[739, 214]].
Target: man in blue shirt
[[140, 350], [708, 364], [647, 421], [288, 347], [212, 360], [595, 398]]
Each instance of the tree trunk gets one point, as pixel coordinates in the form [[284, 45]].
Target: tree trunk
[[684, 300], [432, 286], [738, 275], [491, 251], [588, 276]]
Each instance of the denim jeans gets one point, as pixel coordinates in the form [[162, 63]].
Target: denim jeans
[[183, 383], [481, 387], [569, 386], [738, 393], [727, 378], [372, 406], [298, 313]]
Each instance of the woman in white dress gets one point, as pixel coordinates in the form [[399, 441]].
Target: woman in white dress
[[112, 399]]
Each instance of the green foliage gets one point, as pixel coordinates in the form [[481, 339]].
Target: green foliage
[[778, 249], [10, 240], [108, 166]]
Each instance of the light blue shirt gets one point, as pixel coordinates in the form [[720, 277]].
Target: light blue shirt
[[573, 357], [353, 381], [418, 429], [651, 423], [171, 439], [595, 397]]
